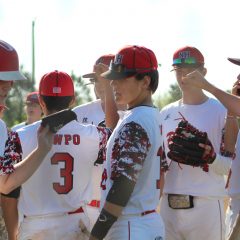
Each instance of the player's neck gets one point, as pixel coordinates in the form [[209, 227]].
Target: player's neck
[[194, 99]]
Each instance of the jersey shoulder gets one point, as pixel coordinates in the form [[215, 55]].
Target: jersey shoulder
[[29, 130], [216, 104], [18, 126], [88, 105], [171, 107], [2, 125]]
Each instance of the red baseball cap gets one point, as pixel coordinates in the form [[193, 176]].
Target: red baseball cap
[[9, 65], [32, 97], [131, 60], [105, 59], [56, 84], [235, 60], [188, 57]]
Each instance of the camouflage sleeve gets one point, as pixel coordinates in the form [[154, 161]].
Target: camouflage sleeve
[[12, 154], [129, 151], [104, 134]]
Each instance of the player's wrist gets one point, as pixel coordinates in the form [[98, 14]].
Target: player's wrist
[[102, 225], [231, 117]]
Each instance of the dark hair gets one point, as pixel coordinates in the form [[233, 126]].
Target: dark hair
[[154, 79], [57, 103]]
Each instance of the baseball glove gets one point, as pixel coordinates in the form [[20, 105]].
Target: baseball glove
[[59, 119], [184, 146]]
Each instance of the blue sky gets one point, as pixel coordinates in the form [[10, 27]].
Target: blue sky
[[72, 34]]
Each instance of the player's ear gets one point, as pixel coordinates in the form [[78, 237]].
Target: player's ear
[[204, 71], [42, 103], [72, 101], [146, 82]]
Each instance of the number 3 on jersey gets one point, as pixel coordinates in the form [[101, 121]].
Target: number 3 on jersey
[[65, 172]]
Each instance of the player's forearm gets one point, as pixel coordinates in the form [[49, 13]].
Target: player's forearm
[[23, 170], [117, 198], [231, 133], [111, 114], [10, 214], [107, 217], [231, 102]]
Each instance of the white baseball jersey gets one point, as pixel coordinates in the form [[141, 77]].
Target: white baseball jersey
[[234, 181], [18, 126], [184, 179], [92, 113], [3, 136], [61, 183], [132, 152]]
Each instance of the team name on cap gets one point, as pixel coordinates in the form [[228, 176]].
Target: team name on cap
[[184, 54], [57, 90], [118, 59]]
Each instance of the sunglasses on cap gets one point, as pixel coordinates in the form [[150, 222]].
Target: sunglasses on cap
[[189, 60]]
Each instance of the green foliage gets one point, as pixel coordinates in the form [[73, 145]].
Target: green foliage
[[172, 95], [15, 101], [82, 92]]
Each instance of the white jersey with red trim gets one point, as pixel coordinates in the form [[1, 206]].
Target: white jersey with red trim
[[3, 136], [234, 181], [183, 179], [62, 182], [92, 113], [132, 152]]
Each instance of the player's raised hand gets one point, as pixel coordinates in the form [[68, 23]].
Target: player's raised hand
[[236, 87], [195, 78], [45, 139], [101, 68]]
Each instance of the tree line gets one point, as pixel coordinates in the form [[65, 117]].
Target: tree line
[[16, 100]]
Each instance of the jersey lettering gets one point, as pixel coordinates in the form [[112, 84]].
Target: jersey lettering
[[65, 172], [66, 139]]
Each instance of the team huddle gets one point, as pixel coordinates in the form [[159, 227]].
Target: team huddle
[[118, 168]]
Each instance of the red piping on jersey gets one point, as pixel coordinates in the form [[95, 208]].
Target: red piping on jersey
[[94, 203], [148, 212], [79, 210]]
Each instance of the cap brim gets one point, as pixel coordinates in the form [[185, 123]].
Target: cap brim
[[235, 60], [32, 101], [11, 76], [89, 75], [111, 75], [177, 66]]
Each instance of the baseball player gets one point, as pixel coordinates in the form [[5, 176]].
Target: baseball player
[[192, 203], [33, 110], [94, 113], [9, 72], [231, 135], [52, 201], [132, 168]]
